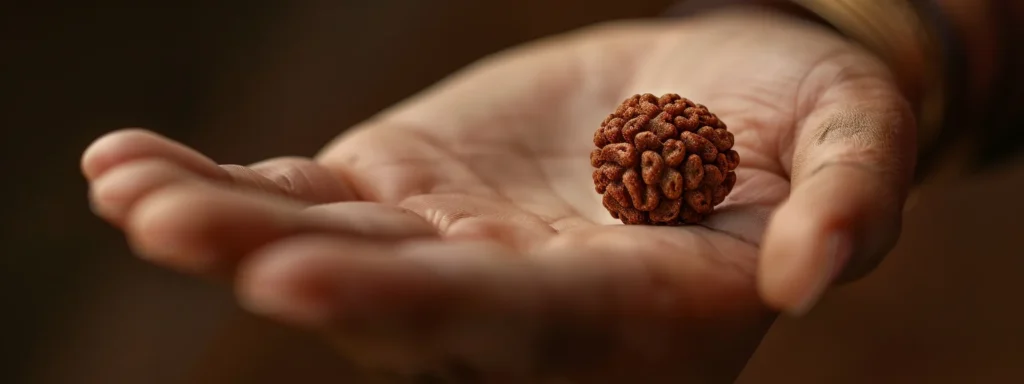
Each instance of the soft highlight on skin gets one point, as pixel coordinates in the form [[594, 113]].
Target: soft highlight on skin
[[492, 163]]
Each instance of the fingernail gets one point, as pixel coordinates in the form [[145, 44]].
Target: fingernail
[[837, 249]]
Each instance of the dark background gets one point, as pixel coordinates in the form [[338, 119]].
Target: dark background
[[245, 80]]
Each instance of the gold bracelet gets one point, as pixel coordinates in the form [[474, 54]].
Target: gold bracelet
[[895, 31]]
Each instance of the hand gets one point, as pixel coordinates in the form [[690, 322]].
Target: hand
[[459, 234]]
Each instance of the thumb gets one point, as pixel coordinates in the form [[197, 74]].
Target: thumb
[[852, 167]]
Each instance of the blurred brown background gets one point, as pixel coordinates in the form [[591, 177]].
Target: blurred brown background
[[245, 80]]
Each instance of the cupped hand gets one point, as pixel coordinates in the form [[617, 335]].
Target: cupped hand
[[458, 234]]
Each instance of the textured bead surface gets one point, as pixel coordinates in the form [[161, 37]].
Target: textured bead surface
[[663, 161]]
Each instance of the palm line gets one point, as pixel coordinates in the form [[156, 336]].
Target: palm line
[[465, 160]]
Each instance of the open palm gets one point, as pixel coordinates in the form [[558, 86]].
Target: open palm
[[458, 234]]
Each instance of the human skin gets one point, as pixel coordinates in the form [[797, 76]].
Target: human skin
[[460, 228]]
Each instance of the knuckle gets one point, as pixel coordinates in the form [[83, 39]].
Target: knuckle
[[294, 176]]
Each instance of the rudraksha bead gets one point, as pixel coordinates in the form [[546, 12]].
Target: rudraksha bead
[[663, 161]]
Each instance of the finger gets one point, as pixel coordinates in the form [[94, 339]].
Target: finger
[[479, 307], [350, 276], [851, 171], [294, 177], [208, 229], [374, 222], [385, 305], [116, 191], [127, 145], [297, 178], [468, 218]]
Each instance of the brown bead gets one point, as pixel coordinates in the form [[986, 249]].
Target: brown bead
[[663, 130], [693, 173], [698, 200], [672, 184], [673, 152], [712, 175], [663, 161], [651, 167], [647, 141], [595, 158], [728, 160], [719, 194], [607, 174], [721, 138], [642, 196], [697, 144], [623, 154], [667, 99], [689, 216], [633, 127], [667, 211]]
